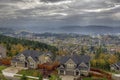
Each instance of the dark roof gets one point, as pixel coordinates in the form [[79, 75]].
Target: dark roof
[[118, 64], [34, 54], [14, 60], [76, 58]]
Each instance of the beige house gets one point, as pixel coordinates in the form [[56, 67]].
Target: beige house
[[2, 52], [74, 65], [31, 59]]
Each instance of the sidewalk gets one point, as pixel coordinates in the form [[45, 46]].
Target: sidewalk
[[11, 71], [66, 77], [27, 76]]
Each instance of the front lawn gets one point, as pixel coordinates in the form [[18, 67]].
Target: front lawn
[[87, 78], [2, 68], [30, 72], [94, 78], [1, 75]]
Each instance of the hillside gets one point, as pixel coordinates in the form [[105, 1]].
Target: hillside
[[15, 45]]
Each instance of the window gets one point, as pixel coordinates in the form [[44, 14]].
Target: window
[[70, 65], [21, 58], [31, 64]]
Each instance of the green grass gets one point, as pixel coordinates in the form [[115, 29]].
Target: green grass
[[1, 75], [30, 72], [2, 68], [27, 78], [94, 79], [87, 78]]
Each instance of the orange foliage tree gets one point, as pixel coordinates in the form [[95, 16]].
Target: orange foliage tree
[[5, 61]]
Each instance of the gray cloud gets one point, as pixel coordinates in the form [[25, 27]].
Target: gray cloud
[[51, 0], [60, 12], [116, 1]]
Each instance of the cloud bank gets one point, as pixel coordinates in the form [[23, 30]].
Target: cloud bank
[[59, 12]]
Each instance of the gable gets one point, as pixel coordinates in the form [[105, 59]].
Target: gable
[[70, 61], [61, 66], [21, 56], [83, 65], [30, 59], [41, 57]]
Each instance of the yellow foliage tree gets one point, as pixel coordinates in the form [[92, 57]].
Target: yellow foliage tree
[[112, 59]]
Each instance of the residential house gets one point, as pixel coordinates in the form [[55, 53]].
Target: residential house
[[2, 52], [74, 65], [31, 59], [115, 67]]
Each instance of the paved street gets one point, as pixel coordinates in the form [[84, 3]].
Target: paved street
[[116, 76], [66, 77], [11, 78]]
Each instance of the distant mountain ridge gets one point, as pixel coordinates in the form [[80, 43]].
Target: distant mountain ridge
[[91, 29], [6, 30]]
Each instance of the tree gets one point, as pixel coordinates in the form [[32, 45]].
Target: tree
[[59, 78], [82, 50], [55, 77], [23, 77], [118, 55], [112, 59], [52, 77], [40, 77], [5, 61]]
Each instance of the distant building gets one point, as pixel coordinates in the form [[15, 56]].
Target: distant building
[[74, 65], [2, 52], [31, 59]]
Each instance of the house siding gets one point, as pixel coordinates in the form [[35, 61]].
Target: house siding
[[30, 59], [75, 65], [2, 52], [69, 72]]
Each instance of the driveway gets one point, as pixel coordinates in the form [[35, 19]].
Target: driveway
[[116, 76], [11, 71], [67, 77]]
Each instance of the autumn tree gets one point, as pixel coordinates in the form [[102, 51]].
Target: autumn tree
[[112, 59]]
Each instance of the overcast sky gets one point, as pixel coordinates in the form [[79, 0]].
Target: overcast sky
[[56, 13]]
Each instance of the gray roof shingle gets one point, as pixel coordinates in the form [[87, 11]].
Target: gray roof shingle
[[118, 63], [76, 58], [34, 54]]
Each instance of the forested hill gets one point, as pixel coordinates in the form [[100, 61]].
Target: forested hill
[[15, 45]]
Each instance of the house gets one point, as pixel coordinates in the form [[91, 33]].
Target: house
[[74, 65], [31, 59], [2, 52], [115, 67]]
